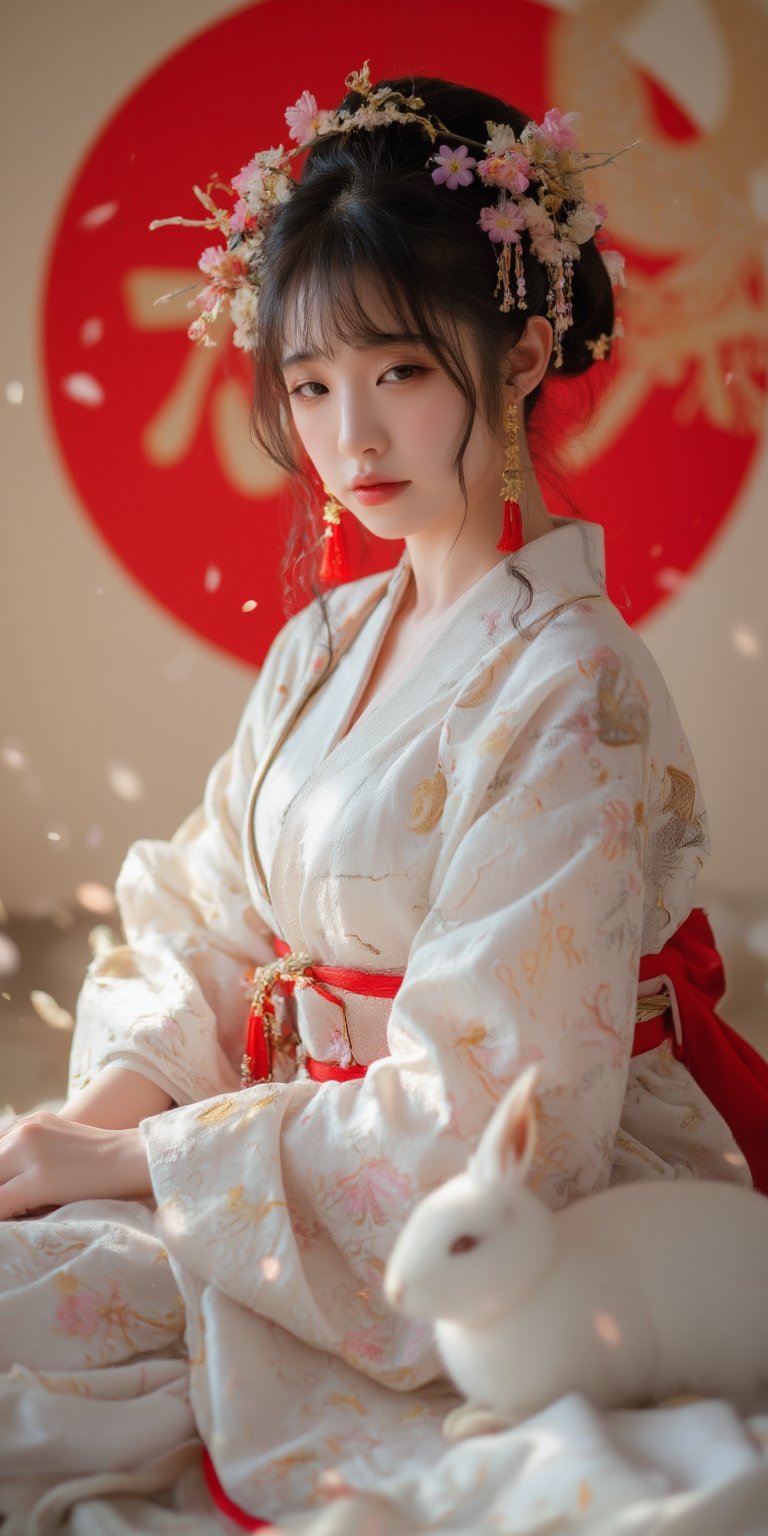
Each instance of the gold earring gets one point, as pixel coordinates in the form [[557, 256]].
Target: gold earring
[[511, 485], [334, 566]]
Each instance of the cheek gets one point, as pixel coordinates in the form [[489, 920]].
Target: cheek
[[309, 433], [434, 422]]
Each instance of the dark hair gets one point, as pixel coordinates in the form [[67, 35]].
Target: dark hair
[[366, 207]]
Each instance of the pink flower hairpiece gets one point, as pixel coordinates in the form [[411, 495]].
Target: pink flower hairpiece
[[539, 186], [537, 179]]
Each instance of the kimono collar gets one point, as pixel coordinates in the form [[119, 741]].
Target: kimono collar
[[565, 563]]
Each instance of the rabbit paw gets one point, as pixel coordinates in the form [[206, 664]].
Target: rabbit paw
[[472, 1418]]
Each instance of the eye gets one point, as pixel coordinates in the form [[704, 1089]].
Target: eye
[[463, 1244], [297, 393], [411, 369]]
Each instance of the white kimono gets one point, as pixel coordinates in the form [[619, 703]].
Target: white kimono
[[511, 828]]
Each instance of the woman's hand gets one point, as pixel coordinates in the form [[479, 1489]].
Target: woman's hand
[[46, 1161]]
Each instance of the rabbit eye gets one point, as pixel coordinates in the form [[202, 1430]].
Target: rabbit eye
[[463, 1244]]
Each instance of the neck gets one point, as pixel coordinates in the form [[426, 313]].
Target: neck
[[443, 570]]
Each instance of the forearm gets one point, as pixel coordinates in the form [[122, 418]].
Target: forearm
[[116, 1099]]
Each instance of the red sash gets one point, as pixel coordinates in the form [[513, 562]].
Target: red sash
[[730, 1072]]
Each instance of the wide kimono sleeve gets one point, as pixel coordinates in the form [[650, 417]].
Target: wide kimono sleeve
[[171, 1002], [289, 1197]]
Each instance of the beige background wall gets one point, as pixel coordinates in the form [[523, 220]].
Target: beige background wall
[[110, 711]]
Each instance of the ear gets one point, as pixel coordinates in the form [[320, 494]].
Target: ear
[[528, 361], [507, 1145]]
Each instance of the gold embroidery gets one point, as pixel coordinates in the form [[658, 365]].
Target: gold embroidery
[[622, 716], [597, 1009], [505, 975], [347, 1399], [552, 937], [63, 1384], [201, 1356], [429, 797], [564, 934], [480, 1057], [66, 1283], [253, 1212], [681, 829], [219, 1110], [682, 794], [651, 1005], [364, 942], [262, 1102], [292, 1459], [478, 691], [630, 1144], [499, 739]]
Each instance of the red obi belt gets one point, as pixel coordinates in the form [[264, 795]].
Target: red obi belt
[[689, 977]]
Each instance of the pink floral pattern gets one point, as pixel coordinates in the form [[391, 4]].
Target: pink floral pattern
[[365, 1343], [374, 1191], [617, 824], [79, 1314]]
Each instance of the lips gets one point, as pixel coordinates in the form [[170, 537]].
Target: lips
[[372, 493], [374, 485]]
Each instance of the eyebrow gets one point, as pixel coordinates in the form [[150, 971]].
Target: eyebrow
[[366, 344]]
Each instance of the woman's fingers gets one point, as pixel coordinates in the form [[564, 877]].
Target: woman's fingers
[[38, 1163], [46, 1161], [19, 1172], [17, 1198]]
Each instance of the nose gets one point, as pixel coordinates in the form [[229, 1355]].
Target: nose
[[361, 431]]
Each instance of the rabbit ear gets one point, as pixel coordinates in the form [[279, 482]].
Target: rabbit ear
[[506, 1147]]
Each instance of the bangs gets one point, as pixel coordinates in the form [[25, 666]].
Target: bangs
[[348, 289], [331, 303]]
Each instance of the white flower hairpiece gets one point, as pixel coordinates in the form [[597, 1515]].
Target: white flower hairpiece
[[537, 178]]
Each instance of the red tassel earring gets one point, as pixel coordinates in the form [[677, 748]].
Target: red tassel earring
[[511, 485], [334, 566]]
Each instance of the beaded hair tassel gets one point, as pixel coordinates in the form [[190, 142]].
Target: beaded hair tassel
[[511, 485], [334, 565]]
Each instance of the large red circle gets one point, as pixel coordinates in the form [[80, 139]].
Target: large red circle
[[148, 425]]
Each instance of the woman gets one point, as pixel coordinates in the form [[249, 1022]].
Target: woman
[[463, 783]]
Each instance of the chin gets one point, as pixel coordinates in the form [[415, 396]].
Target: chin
[[384, 527], [392, 524]]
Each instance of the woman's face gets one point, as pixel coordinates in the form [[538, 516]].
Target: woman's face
[[385, 410]]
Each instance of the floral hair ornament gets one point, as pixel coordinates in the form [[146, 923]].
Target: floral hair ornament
[[235, 270], [538, 179]]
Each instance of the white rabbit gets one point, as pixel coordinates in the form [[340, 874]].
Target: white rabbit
[[641, 1292]]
